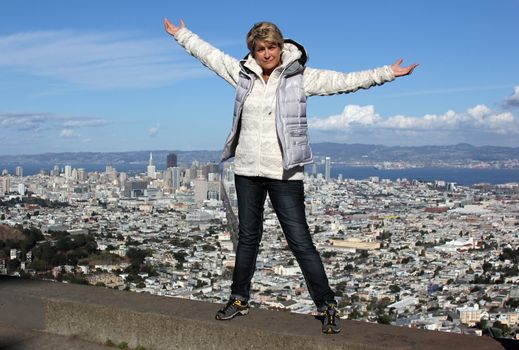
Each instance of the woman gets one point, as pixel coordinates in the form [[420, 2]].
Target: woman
[[269, 140]]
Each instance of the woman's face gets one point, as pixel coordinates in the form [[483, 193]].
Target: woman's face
[[267, 55]]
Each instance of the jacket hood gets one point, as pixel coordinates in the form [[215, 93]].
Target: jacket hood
[[304, 56]]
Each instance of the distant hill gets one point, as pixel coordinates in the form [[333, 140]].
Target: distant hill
[[110, 158], [461, 152], [340, 152]]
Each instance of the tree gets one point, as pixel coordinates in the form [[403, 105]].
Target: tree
[[349, 268], [483, 324], [503, 327], [180, 256], [136, 256], [406, 260], [394, 288], [208, 248], [328, 254], [486, 267], [513, 303], [384, 319], [354, 315]]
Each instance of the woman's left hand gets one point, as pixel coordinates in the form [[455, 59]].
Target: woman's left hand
[[171, 28], [401, 71]]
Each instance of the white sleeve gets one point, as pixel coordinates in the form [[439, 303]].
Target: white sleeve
[[328, 82], [224, 65]]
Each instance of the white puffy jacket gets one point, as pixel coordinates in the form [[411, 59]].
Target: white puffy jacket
[[258, 151]]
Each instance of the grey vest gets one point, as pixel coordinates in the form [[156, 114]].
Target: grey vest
[[291, 123]]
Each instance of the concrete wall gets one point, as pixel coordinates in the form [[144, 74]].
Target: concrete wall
[[99, 314]]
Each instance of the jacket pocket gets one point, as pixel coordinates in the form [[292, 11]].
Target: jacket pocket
[[298, 136]]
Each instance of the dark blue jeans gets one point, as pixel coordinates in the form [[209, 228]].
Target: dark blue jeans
[[287, 198]]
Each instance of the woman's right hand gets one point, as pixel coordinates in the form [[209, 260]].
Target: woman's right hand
[[171, 28]]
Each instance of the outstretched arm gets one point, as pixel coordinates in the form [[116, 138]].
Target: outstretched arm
[[402, 71], [327, 82], [224, 65]]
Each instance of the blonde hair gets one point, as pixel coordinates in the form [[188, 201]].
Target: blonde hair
[[264, 31]]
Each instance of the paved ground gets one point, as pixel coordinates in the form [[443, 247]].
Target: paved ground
[[16, 339]]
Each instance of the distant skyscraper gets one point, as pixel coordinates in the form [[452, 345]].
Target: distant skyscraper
[[204, 169], [55, 171], [111, 172], [206, 190], [151, 168], [228, 172], [82, 174], [327, 168], [122, 178], [21, 189], [134, 189], [314, 169], [201, 186], [74, 174], [176, 178], [109, 169], [68, 172], [19, 171], [189, 174], [5, 185], [172, 160], [172, 178]]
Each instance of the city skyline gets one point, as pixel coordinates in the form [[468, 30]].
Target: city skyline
[[111, 79]]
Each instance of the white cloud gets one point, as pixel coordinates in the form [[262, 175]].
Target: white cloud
[[429, 121], [513, 100], [153, 131], [40, 121], [479, 111], [351, 116], [97, 60], [362, 124], [23, 121], [85, 122], [477, 118], [68, 134]]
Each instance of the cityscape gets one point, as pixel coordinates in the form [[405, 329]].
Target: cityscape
[[433, 255]]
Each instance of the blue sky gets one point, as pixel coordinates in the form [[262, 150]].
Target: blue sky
[[104, 76]]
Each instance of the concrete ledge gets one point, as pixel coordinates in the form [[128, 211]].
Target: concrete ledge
[[98, 314], [16, 339]]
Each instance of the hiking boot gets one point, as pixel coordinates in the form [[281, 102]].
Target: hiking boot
[[233, 308], [331, 320]]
